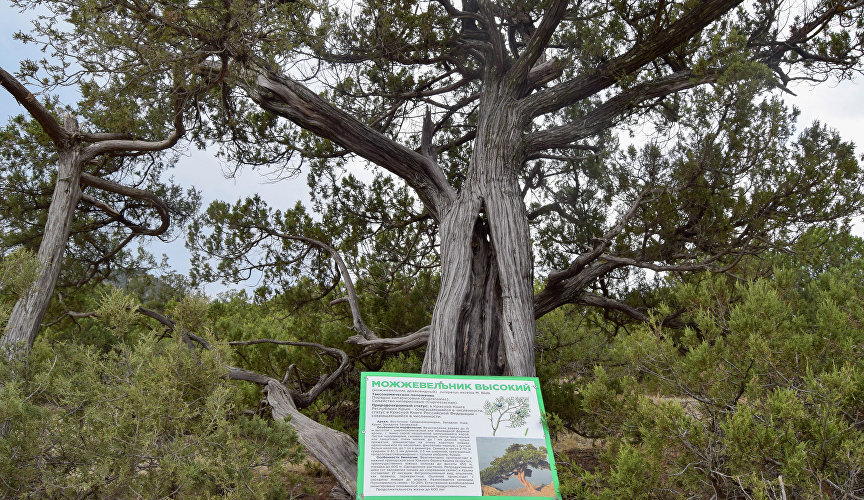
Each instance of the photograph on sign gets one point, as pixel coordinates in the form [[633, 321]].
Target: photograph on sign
[[448, 436]]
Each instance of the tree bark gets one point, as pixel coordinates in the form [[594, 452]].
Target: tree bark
[[483, 322], [521, 477], [26, 316], [336, 450]]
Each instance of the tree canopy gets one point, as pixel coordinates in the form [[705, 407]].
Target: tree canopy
[[517, 461], [99, 243]]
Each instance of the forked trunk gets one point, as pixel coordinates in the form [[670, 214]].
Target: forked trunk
[[26, 316], [483, 321]]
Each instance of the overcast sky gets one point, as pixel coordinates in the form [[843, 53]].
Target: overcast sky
[[840, 106]]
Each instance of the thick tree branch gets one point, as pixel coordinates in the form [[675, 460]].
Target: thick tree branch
[[600, 244], [235, 373], [114, 145], [105, 136], [605, 115], [426, 137], [537, 44], [307, 398], [544, 73], [135, 193], [495, 41], [335, 450], [468, 136], [591, 299], [544, 210], [101, 205], [288, 98], [584, 85], [568, 286], [396, 344], [458, 14], [167, 322], [704, 265], [565, 291], [39, 113]]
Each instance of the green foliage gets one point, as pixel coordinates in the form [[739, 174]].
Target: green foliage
[[115, 305], [152, 419], [773, 362], [135, 65], [572, 346], [410, 362], [118, 311], [631, 476], [518, 459], [760, 392], [18, 270]]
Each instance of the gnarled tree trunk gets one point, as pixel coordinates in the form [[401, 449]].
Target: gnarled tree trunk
[[527, 484], [483, 321], [72, 155], [26, 316], [336, 450]]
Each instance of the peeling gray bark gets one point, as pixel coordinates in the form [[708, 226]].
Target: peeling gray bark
[[27, 314], [334, 449], [483, 322], [451, 307]]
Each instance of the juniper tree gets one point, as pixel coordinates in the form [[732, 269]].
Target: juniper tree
[[500, 120], [497, 116], [100, 245], [518, 461], [76, 160]]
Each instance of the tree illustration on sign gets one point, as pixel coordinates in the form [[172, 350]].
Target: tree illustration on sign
[[517, 462], [513, 410]]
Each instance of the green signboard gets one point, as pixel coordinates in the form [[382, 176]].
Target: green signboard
[[453, 437]]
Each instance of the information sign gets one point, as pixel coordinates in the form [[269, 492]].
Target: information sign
[[453, 437]]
